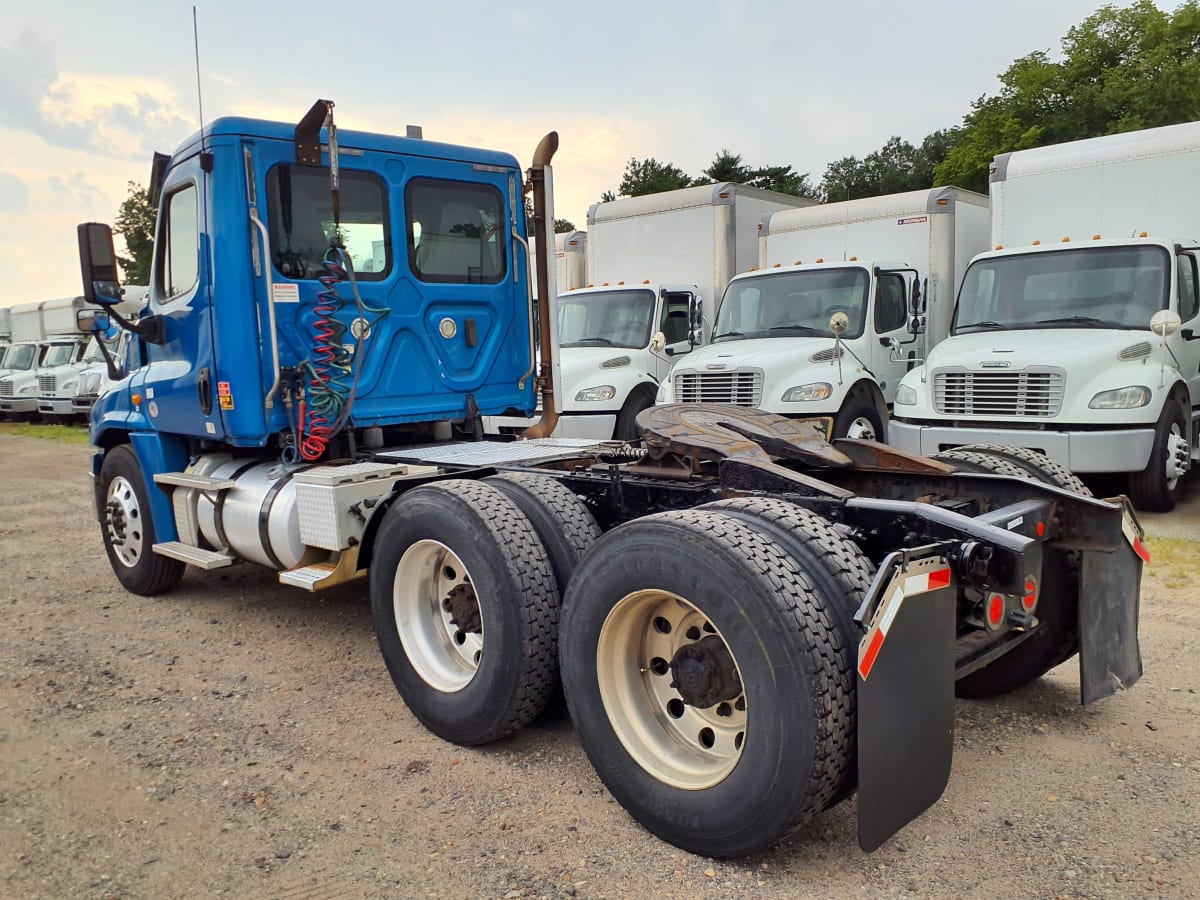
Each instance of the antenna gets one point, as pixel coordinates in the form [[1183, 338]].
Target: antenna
[[206, 160]]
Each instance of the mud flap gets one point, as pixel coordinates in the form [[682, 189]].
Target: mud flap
[[905, 693], [1110, 659]]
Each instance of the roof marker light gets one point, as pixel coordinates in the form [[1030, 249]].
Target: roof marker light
[[798, 262], [854, 259], [820, 259], [777, 265], [619, 283], [645, 281], [1066, 239], [943, 202], [1036, 243], [1142, 234], [999, 246], [1095, 237]]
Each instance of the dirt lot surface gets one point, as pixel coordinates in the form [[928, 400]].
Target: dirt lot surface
[[242, 738]]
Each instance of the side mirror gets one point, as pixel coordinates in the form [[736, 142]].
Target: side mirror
[[839, 322], [658, 342], [98, 262], [1165, 322], [916, 325], [915, 298], [92, 321], [695, 321]]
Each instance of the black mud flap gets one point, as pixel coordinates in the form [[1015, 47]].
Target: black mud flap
[[905, 694], [1110, 659]]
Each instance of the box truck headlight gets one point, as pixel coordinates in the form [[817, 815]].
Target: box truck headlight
[[807, 393], [596, 394], [28, 389], [906, 395], [1130, 397]]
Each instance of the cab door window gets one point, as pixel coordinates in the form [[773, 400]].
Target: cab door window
[[890, 312], [178, 261], [674, 323], [1189, 301]]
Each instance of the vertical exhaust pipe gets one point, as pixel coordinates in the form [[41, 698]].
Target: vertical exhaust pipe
[[543, 229]]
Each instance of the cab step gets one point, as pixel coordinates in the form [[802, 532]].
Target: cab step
[[188, 480], [321, 575], [194, 556]]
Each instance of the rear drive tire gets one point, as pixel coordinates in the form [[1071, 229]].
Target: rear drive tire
[[736, 746], [466, 610], [1156, 487], [564, 524], [128, 527], [1057, 637], [840, 575]]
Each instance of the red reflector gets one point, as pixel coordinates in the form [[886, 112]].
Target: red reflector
[[1140, 549], [939, 579], [1030, 594], [995, 610], [1041, 529], [868, 660]]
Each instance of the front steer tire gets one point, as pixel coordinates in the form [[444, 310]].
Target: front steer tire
[[466, 610], [691, 596], [128, 527]]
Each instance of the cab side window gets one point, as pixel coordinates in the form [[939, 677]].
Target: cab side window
[[1189, 301], [178, 263], [675, 318], [890, 313]]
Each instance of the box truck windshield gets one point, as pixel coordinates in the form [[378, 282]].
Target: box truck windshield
[[609, 319], [1094, 287], [793, 303], [59, 355], [20, 357]]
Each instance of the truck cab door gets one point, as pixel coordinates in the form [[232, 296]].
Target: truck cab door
[[1189, 313], [674, 321], [179, 393], [889, 320]]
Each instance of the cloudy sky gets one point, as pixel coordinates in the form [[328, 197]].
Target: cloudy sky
[[89, 90]]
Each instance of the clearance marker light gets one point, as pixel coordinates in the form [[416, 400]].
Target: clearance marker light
[[798, 262], [1142, 234], [1066, 240], [645, 281], [1041, 529], [854, 259], [943, 202], [777, 265], [820, 259], [1036, 243], [999, 246], [1095, 237]]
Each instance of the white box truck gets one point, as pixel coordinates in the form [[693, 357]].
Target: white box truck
[[656, 263], [49, 328], [570, 259], [1052, 346], [68, 389], [889, 265]]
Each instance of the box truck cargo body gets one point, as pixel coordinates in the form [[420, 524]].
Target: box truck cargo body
[[889, 265], [656, 263], [1051, 344]]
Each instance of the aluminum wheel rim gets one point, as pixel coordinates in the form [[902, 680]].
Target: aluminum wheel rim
[[680, 745], [861, 429], [445, 656], [123, 522], [1177, 455]]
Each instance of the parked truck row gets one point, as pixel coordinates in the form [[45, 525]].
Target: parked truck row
[[49, 369], [750, 621], [930, 319]]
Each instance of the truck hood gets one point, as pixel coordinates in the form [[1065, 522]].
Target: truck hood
[[580, 364], [1058, 347], [766, 353]]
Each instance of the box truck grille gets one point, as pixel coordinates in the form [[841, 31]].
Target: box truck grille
[[1028, 393], [46, 384], [741, 388], [6, 389]]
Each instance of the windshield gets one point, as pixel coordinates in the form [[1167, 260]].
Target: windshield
[[20, 357], [93, 354], [608, 319], [58, 355], [791, 304], [1092, 287]]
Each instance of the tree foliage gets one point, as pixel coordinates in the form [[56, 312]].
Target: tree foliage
[[649, 176], [895, 167], [562, 226], [135, 223], [1121, 70]]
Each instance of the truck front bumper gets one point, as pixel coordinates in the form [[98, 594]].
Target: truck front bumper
[[598, 427], [1124, 450], [55, 406], [18, 404]]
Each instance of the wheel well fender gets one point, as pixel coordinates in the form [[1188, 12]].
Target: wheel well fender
[[868, 390]]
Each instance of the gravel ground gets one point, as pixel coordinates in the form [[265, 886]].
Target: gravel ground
[[239, 737]]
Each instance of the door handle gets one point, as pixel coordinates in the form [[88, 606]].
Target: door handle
[[204, 387]]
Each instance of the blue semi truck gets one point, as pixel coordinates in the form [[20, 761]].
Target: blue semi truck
[[750, 622]]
